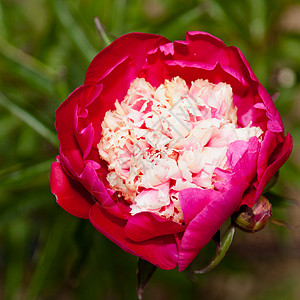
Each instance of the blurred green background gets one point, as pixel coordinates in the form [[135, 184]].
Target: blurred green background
[[45, 49]]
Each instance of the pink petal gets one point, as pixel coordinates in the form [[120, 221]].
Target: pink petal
[[242, 161], [83, 129], [196, 41], [268, 145], [146, 225], [161, 251], [72, 162], [192, 202], [84, 137], [70, 194], [275, 123], [132, 45], [93, 184], [193, 70], [66, 131], [115, 86], [280, 156], [203, 227]]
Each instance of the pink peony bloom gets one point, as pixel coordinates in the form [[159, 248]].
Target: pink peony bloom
[[164, 142]]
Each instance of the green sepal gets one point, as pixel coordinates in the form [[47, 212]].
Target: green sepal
[[224, 246]]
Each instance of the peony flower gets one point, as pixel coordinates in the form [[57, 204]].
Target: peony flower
[[164, 142]]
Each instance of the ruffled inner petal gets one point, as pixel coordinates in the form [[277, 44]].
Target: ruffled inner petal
[[158, 142]]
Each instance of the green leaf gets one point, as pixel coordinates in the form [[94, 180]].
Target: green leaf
[[145, 271], [83, 240], [224, 246], [278, 200], [102, 31], [237, 16], [118, 16], [10, 213], [184, 19], [73, 30], [18, 175], [3, 30], [29, 62], [281, 223], [29, 120], [54, 254], [15, 256]]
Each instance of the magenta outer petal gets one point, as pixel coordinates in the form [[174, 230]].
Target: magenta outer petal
[[275, 123], [283, 154], [269, 144], [144, 226], [94, 185], [242, 160], [69, 136], [133, 45], [85, 133], [85, 138], [161, 252], [203, 227], [192, 203], [70, 194]]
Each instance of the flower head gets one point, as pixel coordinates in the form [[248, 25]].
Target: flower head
[[164, 142], [158, 142]]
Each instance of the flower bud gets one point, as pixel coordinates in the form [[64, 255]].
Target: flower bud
[[252, 219]]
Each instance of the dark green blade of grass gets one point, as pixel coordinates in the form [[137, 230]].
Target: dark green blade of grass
[[30, 120]]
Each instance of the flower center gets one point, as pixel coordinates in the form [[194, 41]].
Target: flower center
[[162, 140]]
